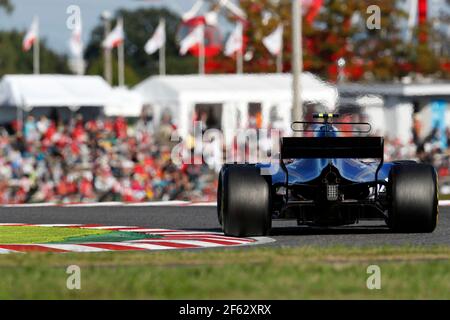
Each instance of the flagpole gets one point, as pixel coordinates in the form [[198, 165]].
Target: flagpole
[[239, 62], [107, 67], [121, 57], [201, 58], [240, 56], [280, 61], [121, 62], [411, 19], [162, 53], [280, 54], [36, 53], [297, 62]]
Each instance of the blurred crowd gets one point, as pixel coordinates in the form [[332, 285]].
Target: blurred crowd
[[429, 150], [98, 160], [106, 159]]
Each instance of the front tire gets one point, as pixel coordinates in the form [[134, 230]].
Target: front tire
[[244, 201], [414, 195]]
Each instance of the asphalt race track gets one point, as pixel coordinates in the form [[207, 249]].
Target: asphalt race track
[[285, 233]]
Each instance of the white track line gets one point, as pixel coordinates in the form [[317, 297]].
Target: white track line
[[158, 203], [169, 233], [443, 203], [6, 251], [199, 243], [56, 225], [74, 247], [148, 246], [29, 205], [114, 204], [112, 228], [93, 204], [193, 241], [151, 230], [203, 204]]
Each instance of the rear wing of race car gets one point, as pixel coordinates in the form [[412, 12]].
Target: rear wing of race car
[[332, 147]]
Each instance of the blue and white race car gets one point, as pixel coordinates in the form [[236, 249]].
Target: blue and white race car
[[328, 180]]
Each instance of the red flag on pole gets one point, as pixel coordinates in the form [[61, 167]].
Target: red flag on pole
[[116, 37], [31, 35], [312, 8], [423, 13]]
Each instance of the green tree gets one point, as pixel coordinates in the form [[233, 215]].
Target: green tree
[[96, 68], [6, 4], [439, 44], [339, 31], [331, 37], [14, 60], [382, 51], [324, 41], [258, 28], [139, 25]]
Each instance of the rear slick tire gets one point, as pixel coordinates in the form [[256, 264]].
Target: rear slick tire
[[414, 194], [244, 202]]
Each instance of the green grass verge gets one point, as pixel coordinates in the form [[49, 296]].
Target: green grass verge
[[29, 235], [256, 273]]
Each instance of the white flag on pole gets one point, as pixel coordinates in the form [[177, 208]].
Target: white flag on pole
[[31, 35], [235, 9], [194, 38], [235, 41], [274, 41], [412, 19], [116, 37], [76, 41], [158, 39], [192, 13], [211, 18]]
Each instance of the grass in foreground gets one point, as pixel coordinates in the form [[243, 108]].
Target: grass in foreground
[[257, 273], [29, 235]]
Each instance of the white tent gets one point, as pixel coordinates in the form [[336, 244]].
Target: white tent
[[72, 91], [390, 106], [124, 102], [234, 93]]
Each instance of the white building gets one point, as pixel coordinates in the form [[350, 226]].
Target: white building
[[231, 98], [47, 93], [391, 107]]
